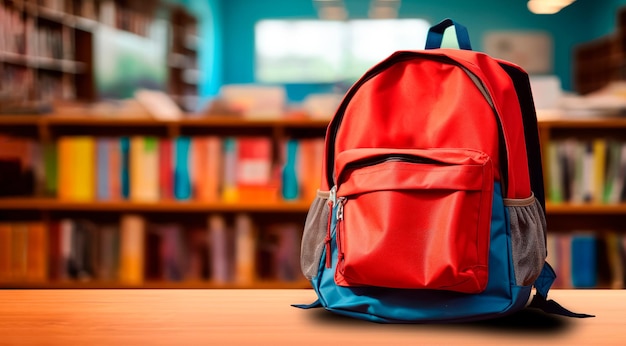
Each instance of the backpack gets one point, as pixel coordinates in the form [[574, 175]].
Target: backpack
[[431, 205]]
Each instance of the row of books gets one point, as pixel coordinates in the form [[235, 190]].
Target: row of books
[[135, 251], [140, 168], [588, 259], [587, 171], [25, 35]]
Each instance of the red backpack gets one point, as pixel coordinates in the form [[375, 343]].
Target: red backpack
[[432, 201]]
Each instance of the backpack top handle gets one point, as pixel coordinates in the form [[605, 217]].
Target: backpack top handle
[[435, 35]]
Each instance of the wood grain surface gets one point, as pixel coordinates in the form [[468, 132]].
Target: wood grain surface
[[265, 317]]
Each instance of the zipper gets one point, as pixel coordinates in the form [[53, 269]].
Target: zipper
[[376, 160], [404, 56], [340, 203], [332, 198]]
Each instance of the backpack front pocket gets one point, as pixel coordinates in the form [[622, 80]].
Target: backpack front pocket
[[415, 219]]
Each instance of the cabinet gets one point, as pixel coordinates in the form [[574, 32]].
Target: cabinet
[[266, 225]]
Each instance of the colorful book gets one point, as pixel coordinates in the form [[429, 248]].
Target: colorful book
[[132, 239], [37, 252], [220, 250], [229, 175], [125, 167], [83, 176], [245, 250], [103, 169], [6, 272], [583, 259], [144, 169], [50, 159], [182, 171], [166, 169]]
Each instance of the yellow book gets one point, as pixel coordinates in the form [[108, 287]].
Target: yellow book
[[84, 166], [132, 236], [599, 169], [65, 168]]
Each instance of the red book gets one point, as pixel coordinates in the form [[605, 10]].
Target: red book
[[166, 169]]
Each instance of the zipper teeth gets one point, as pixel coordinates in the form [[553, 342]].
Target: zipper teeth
[[401, 158]]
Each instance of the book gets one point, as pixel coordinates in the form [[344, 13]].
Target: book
[[166, 169], [132, 238], [50, 159], [229, 175], [254, 170], [84, 163], [583, 259], [109, 252], [37, 252], [103, 158], [144, 169], [220, 249], [6, 268], [182, 170], [19, 251], [207, 167], [245, 249], [125, 167]]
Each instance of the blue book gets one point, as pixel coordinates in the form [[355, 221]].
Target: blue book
[[291, 187], [584, 261], [125, 166], [182, 178]]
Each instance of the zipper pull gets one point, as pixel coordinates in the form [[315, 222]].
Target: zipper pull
[[340, 202], [332, 199]]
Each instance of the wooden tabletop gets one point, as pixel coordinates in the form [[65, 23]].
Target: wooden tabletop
[[265, 317]]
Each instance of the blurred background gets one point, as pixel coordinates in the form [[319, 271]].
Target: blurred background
[[178, 143]]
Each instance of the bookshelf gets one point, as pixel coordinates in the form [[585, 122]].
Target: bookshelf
[[272, 220], [582, 162], [601, 61], [566, 219], [49, 51], [182, 60]]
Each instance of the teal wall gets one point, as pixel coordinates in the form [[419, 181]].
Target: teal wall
[[228, 52]]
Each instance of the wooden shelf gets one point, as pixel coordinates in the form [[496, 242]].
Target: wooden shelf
[[586, 209], [53, 204]]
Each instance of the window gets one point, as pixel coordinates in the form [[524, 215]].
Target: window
[[316, 51]]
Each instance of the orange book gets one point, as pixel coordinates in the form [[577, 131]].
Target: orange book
[[245, 250], [199, 167], [132, 239], [37, 252], [5, 252], [212, 177]]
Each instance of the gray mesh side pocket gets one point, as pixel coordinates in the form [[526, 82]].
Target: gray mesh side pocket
[[314, 235], [528, 227]]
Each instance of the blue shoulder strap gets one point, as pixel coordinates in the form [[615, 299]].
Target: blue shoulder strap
[[315, 304], [540, 301]]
